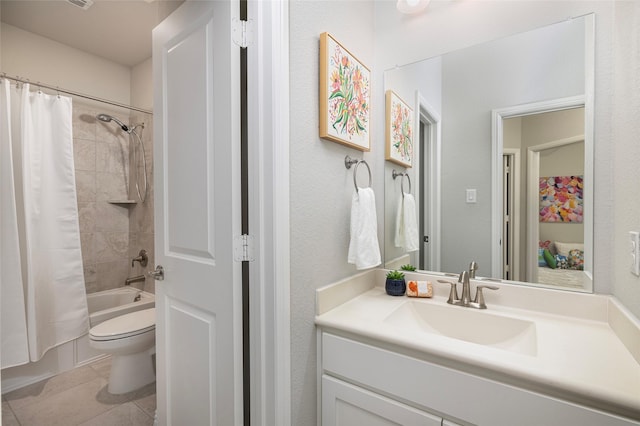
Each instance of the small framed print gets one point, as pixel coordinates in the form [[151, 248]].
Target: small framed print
[[399, 120], [345, 93]]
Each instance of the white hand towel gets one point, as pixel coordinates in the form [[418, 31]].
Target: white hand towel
[[399, 234], [411, 239], [406, 234], [364, 250]]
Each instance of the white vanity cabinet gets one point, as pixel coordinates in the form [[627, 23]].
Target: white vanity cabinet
[[363, 383]]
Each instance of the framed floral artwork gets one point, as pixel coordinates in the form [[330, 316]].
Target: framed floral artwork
[[399, 130], [345, 93], [561, 199]]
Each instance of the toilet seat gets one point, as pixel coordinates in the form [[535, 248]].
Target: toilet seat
[[128, 325]]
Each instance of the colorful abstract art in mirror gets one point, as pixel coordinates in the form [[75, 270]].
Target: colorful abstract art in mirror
[[561, 199]]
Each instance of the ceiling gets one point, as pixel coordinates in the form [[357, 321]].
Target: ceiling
[[117, 30]]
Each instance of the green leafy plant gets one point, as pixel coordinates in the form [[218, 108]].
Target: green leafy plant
[[408, 267], [395, 275]]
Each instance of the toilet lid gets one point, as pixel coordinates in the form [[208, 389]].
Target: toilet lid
[[126, 325]]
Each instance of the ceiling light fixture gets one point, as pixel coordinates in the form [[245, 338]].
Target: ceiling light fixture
[[412, 6]]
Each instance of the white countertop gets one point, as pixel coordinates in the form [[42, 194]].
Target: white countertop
[[584, 350]]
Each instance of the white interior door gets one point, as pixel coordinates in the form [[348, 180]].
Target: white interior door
[[197, 215]]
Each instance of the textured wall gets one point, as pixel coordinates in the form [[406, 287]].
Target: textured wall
[[626, 128], [321, 187]]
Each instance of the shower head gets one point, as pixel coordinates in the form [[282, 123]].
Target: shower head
[[107, 118]]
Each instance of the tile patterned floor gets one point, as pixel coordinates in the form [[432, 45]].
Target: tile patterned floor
[[78, 398]]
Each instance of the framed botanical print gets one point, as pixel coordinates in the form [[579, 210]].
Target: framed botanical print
[[399, 130], [345, 93]]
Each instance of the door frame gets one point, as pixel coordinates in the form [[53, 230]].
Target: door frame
[[425, 113], [533, 177], [268, 164], [514, 220], [497, 147]]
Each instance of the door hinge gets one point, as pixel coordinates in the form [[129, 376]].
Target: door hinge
[[243, 248], [242, 32]]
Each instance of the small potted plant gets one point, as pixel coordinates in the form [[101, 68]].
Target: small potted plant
[[395, 285], [408, 267]]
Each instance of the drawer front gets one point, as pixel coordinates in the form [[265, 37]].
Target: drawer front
[[344, 404]]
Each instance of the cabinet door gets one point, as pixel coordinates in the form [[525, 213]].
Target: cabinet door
[[344, 404]]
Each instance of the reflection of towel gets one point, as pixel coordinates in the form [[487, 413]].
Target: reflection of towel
[[407, 224], [364, 250]]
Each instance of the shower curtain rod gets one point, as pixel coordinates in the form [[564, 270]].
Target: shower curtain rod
[[70, 92]]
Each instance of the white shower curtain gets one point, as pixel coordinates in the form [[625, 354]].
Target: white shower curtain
[[43, 299]]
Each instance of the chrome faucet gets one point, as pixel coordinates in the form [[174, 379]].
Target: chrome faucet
[[137, 278], [465, 301]]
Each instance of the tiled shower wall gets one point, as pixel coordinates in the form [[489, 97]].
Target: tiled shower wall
[[141, 231], [110, 233]]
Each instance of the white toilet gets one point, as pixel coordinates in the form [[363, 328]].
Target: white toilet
[[130, 339]]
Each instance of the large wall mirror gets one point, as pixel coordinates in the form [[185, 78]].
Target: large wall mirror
[[503, 158]]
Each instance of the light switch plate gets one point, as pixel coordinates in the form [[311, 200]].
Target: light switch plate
[[472, 196], [634, 251]]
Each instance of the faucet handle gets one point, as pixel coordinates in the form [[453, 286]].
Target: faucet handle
[[480, 296], [453, 293], [142, 258], [473, 267]]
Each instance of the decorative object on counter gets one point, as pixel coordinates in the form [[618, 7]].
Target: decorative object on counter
[[395, 284], [408, 267], [399, 130], [419, 289], [364, 249], [345, 93]]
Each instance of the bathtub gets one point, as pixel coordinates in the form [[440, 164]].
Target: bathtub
[[102, 306], [107, 304]]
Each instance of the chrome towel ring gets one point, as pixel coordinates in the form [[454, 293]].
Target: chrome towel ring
[[348, 162], [395, 174]]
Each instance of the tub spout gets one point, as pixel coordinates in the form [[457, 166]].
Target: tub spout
[[137, 278]]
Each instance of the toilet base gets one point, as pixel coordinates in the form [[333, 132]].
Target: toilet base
[[131, 372]]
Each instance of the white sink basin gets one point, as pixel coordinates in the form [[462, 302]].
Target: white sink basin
[[467, 324]]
